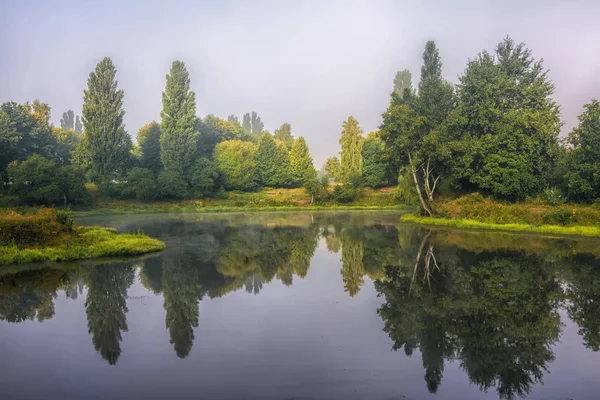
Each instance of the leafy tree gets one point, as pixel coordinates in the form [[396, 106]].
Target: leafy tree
[[148, 138], [247, 122], [65, 143], [178, 126], [374, 167], [67, 122], [332, 167], [204, 177], [402, 82], [22, 135], [78, 126], [171, 186], [412, 129], [107, 142], [273, 163], [506, 123], [106, 307], [233, 119], [236, 164], [257, 125], [583, 171], [302, 169], [284, 133], [35, 181], [71, 181], [352, 143], [140, 185], [214, 130]]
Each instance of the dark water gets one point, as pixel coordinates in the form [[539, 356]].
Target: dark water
[[307, 306]]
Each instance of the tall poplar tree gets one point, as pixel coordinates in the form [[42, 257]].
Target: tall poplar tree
[[67, 122], [178, 126], [257, 124], [247, 122], [148, 139], [402, 81], [107, 141], [78, 126], [352, 142], [284, 133]]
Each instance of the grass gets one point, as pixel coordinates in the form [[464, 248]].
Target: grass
[[263, 200], [513, 227], [89, 242]]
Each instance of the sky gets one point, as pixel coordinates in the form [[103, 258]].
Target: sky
[[308, 63]]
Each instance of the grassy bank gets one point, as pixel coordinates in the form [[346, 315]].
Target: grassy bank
[[45, 237], [263, 200], [476, 212]]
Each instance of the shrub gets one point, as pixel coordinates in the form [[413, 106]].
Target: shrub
[[171, 186], [342, 194], [203, 178], [553, 197], [65, 217], [40, 228], [318, 189]]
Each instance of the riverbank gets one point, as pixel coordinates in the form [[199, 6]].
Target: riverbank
[[476, 212], [46, 236], [262, 200]]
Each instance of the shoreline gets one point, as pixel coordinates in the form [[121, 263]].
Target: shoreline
[[470, 224]]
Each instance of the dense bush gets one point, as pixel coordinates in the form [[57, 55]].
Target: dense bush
[[44, 227], [171, 186], [140, 185], [203, 178], [318, 189]]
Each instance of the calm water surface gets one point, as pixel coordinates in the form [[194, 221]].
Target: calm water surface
[[307, 306]]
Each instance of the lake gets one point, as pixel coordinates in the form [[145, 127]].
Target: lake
[[307, 306]]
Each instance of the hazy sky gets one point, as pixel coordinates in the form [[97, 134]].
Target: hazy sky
[[309, 63]]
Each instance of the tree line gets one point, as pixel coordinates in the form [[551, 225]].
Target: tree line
[[181, 156], [495, 132]]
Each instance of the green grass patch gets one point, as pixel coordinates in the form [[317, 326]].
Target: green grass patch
[[514, 227]]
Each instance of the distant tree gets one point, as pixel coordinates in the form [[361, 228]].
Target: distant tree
[[583, 171], [148, 139], [272, 161], [233, 119], [204, 177], [257, 124], [374, 167], [284, 133], [171, 185], [332, 167], [107, 141], [247, 122], [402, 81], [67, 122], [65, 144], [302, 169], [236, 164], [506, 123], [352, 143], [215, 130], [78, 126], [178, 126], [140, 185]]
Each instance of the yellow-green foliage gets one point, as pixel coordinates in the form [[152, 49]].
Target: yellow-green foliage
[[476, 207], [517, 227], [88, 242], [39, 228]]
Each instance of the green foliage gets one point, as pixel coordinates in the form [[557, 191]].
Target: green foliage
[[352, 144], [332, 168], [179, 136], [214, 130], [236, 164], [272, 161], [284, 134], [506, 124], [43, 227], [553, 196], [318, 190], [402, 82], [78, 126], [108, 145], [345, 194], [583, 165], [204, 177], [171, 185], [256, 124], [302, 169], [38, 181], [140, 185], [374, 168], [148, 138], [405, 192], [65, 218]]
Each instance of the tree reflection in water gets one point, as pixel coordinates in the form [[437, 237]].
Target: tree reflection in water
[[487, 301]]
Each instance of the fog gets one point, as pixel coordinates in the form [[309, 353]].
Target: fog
[[309, 63]]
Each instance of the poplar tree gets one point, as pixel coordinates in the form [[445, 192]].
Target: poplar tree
[[67, 122], [284, 133], [272, 161], [108, 144], [352, 142], [178, 126]]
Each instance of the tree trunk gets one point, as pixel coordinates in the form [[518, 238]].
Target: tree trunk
[[414, 174]]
